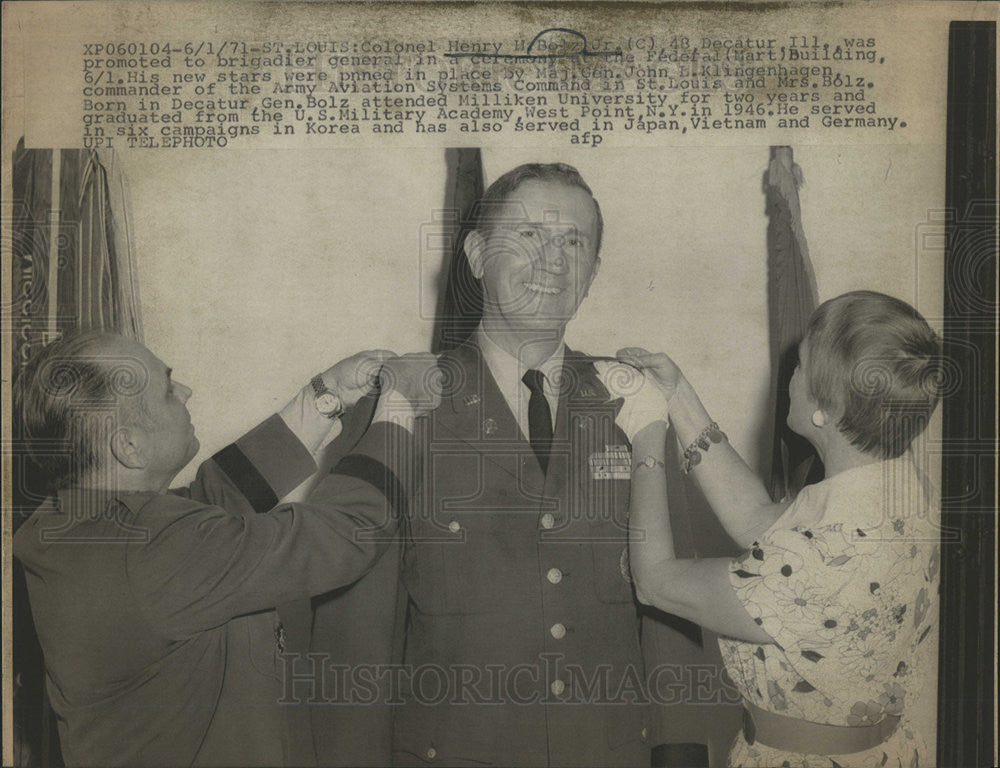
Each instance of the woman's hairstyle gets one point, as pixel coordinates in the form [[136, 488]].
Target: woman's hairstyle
[[69, 398], [874, 359]]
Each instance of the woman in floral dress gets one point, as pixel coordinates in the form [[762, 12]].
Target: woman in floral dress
[[825, 618]]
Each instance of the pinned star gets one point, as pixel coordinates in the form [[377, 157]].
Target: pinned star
[[490, 427]]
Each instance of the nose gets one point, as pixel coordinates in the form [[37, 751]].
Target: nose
[[555, 254], [183, 392]]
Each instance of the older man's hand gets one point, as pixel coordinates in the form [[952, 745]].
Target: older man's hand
[[349, 380], [353, 377], [411, 385]]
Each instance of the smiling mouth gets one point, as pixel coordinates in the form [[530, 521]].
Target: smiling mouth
[[539, 288]]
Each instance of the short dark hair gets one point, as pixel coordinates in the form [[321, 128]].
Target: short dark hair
[[490, 205], [69, 400], [874, 357]]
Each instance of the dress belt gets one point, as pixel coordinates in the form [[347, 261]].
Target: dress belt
[[793, 735]]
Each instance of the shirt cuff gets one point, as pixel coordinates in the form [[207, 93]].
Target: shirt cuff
[[310, 426]]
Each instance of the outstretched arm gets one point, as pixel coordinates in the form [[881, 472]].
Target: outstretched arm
[[737, 496], [205, 563], [258, 469], [698, 590]]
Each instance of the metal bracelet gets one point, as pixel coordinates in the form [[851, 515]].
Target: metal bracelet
[[692, 454]]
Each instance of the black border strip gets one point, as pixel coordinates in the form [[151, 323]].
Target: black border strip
[[247, 478], [966, 695]]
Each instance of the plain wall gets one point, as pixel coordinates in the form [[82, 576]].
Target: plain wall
[[259, 268]]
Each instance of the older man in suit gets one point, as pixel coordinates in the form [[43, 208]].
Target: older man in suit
[[156, 610]]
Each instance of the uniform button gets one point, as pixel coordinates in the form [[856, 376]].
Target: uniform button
[[558, 631], [554, 575], [432, 753], [548, 521], [454, 527], [644, 734], [557, 687]]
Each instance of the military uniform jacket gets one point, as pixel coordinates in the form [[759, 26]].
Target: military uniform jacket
[[522, 641], [156, 612]]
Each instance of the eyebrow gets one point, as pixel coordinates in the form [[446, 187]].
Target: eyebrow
[[547, 224]]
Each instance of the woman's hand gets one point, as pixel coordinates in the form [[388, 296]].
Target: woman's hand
[[657, 366], [735, 493], [644, 402]]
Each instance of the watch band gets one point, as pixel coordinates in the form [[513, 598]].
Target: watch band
[[319, 387], [327, 401], [650, 462]]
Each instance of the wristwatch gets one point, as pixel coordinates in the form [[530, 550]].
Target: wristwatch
[[650, 463], [327, 401]]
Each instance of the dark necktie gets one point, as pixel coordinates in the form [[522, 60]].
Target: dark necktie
[[539, 417]]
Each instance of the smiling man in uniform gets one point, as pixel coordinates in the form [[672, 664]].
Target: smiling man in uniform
[[522, 637]]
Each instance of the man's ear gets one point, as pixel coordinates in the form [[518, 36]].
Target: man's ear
[[593, 275], [127, 446], [474, 247]]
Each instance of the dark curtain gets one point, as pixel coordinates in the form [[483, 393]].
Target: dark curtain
[[72, 267], [461, 304], [790, 461]]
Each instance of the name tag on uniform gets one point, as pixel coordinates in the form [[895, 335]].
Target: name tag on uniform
[[613, 463]]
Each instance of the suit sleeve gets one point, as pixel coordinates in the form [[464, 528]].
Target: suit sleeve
[[203, 565], [251, 474]]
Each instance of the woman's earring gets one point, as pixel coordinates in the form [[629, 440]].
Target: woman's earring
[[819, 418]]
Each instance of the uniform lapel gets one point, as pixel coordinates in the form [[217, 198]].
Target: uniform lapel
[[475, 412], [582, 391], [473, 409], [585, 432]]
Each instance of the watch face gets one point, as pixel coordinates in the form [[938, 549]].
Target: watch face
[[328, 403]]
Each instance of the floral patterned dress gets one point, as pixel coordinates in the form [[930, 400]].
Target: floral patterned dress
[[846, 584]]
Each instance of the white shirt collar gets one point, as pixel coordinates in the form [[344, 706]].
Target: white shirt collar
[[508, 371]]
